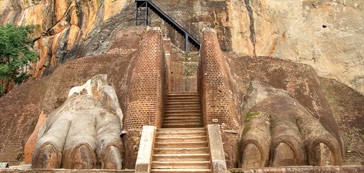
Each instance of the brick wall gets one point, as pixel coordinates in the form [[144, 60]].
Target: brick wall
[[144, 94], [218, 105], [144, 98]]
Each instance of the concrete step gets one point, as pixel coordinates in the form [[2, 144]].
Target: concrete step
[[181, 157], [199, 144], [198, 150], [181, 139], [181, 170], [181, 165]]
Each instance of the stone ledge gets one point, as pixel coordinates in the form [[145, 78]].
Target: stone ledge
[[65, 171], [216, 149], [305, 169], [144, 159]]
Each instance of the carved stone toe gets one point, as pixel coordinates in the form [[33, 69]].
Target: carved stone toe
[[252, 158], [83, 157], [47, 157]]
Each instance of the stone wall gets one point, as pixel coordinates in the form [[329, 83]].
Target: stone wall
[[183, 71]]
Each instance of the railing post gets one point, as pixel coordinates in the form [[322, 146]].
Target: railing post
[[146, 14], [186, 43]]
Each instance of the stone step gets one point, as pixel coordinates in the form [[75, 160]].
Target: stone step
[[173, 135], [181, 157], [181, 130], [198, 150], [184, 103], [187, 122], [183, 99], [182, 125], [182, 94], [181, 165], [181, 170], [199, 144], [179, 110], [182, 119], [171, 117], [188, 107], [182, 111], [181, 139], [182, 114]]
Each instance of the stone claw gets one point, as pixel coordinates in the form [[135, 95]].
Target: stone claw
[[47, 157], [82, 157]]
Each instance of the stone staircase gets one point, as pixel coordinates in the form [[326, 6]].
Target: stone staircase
[[182, 144], [182, 110]]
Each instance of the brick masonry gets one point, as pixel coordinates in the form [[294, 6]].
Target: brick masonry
[[218, 105], [144, 94], [219, 100], [145, 98]]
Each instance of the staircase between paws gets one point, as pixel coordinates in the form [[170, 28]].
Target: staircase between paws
[[181, 145]]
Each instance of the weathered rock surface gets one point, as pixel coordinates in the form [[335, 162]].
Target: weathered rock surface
[[326, 34], [23, 105], [67, 29]]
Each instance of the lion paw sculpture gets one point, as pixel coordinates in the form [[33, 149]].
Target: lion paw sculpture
[[279, 131], [84, 132]]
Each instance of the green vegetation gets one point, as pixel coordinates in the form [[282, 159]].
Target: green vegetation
[[250, 115], [15, 55]]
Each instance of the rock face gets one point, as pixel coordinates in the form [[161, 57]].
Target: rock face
[[322, 33], [67, 29], [21, 107]]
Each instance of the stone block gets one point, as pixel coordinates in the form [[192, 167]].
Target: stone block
[[143, 163], [216, 149]]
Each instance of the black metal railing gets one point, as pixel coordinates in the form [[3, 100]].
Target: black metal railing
[[142, 17]]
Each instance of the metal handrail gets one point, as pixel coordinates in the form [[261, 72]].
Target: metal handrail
[[188, 35]]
